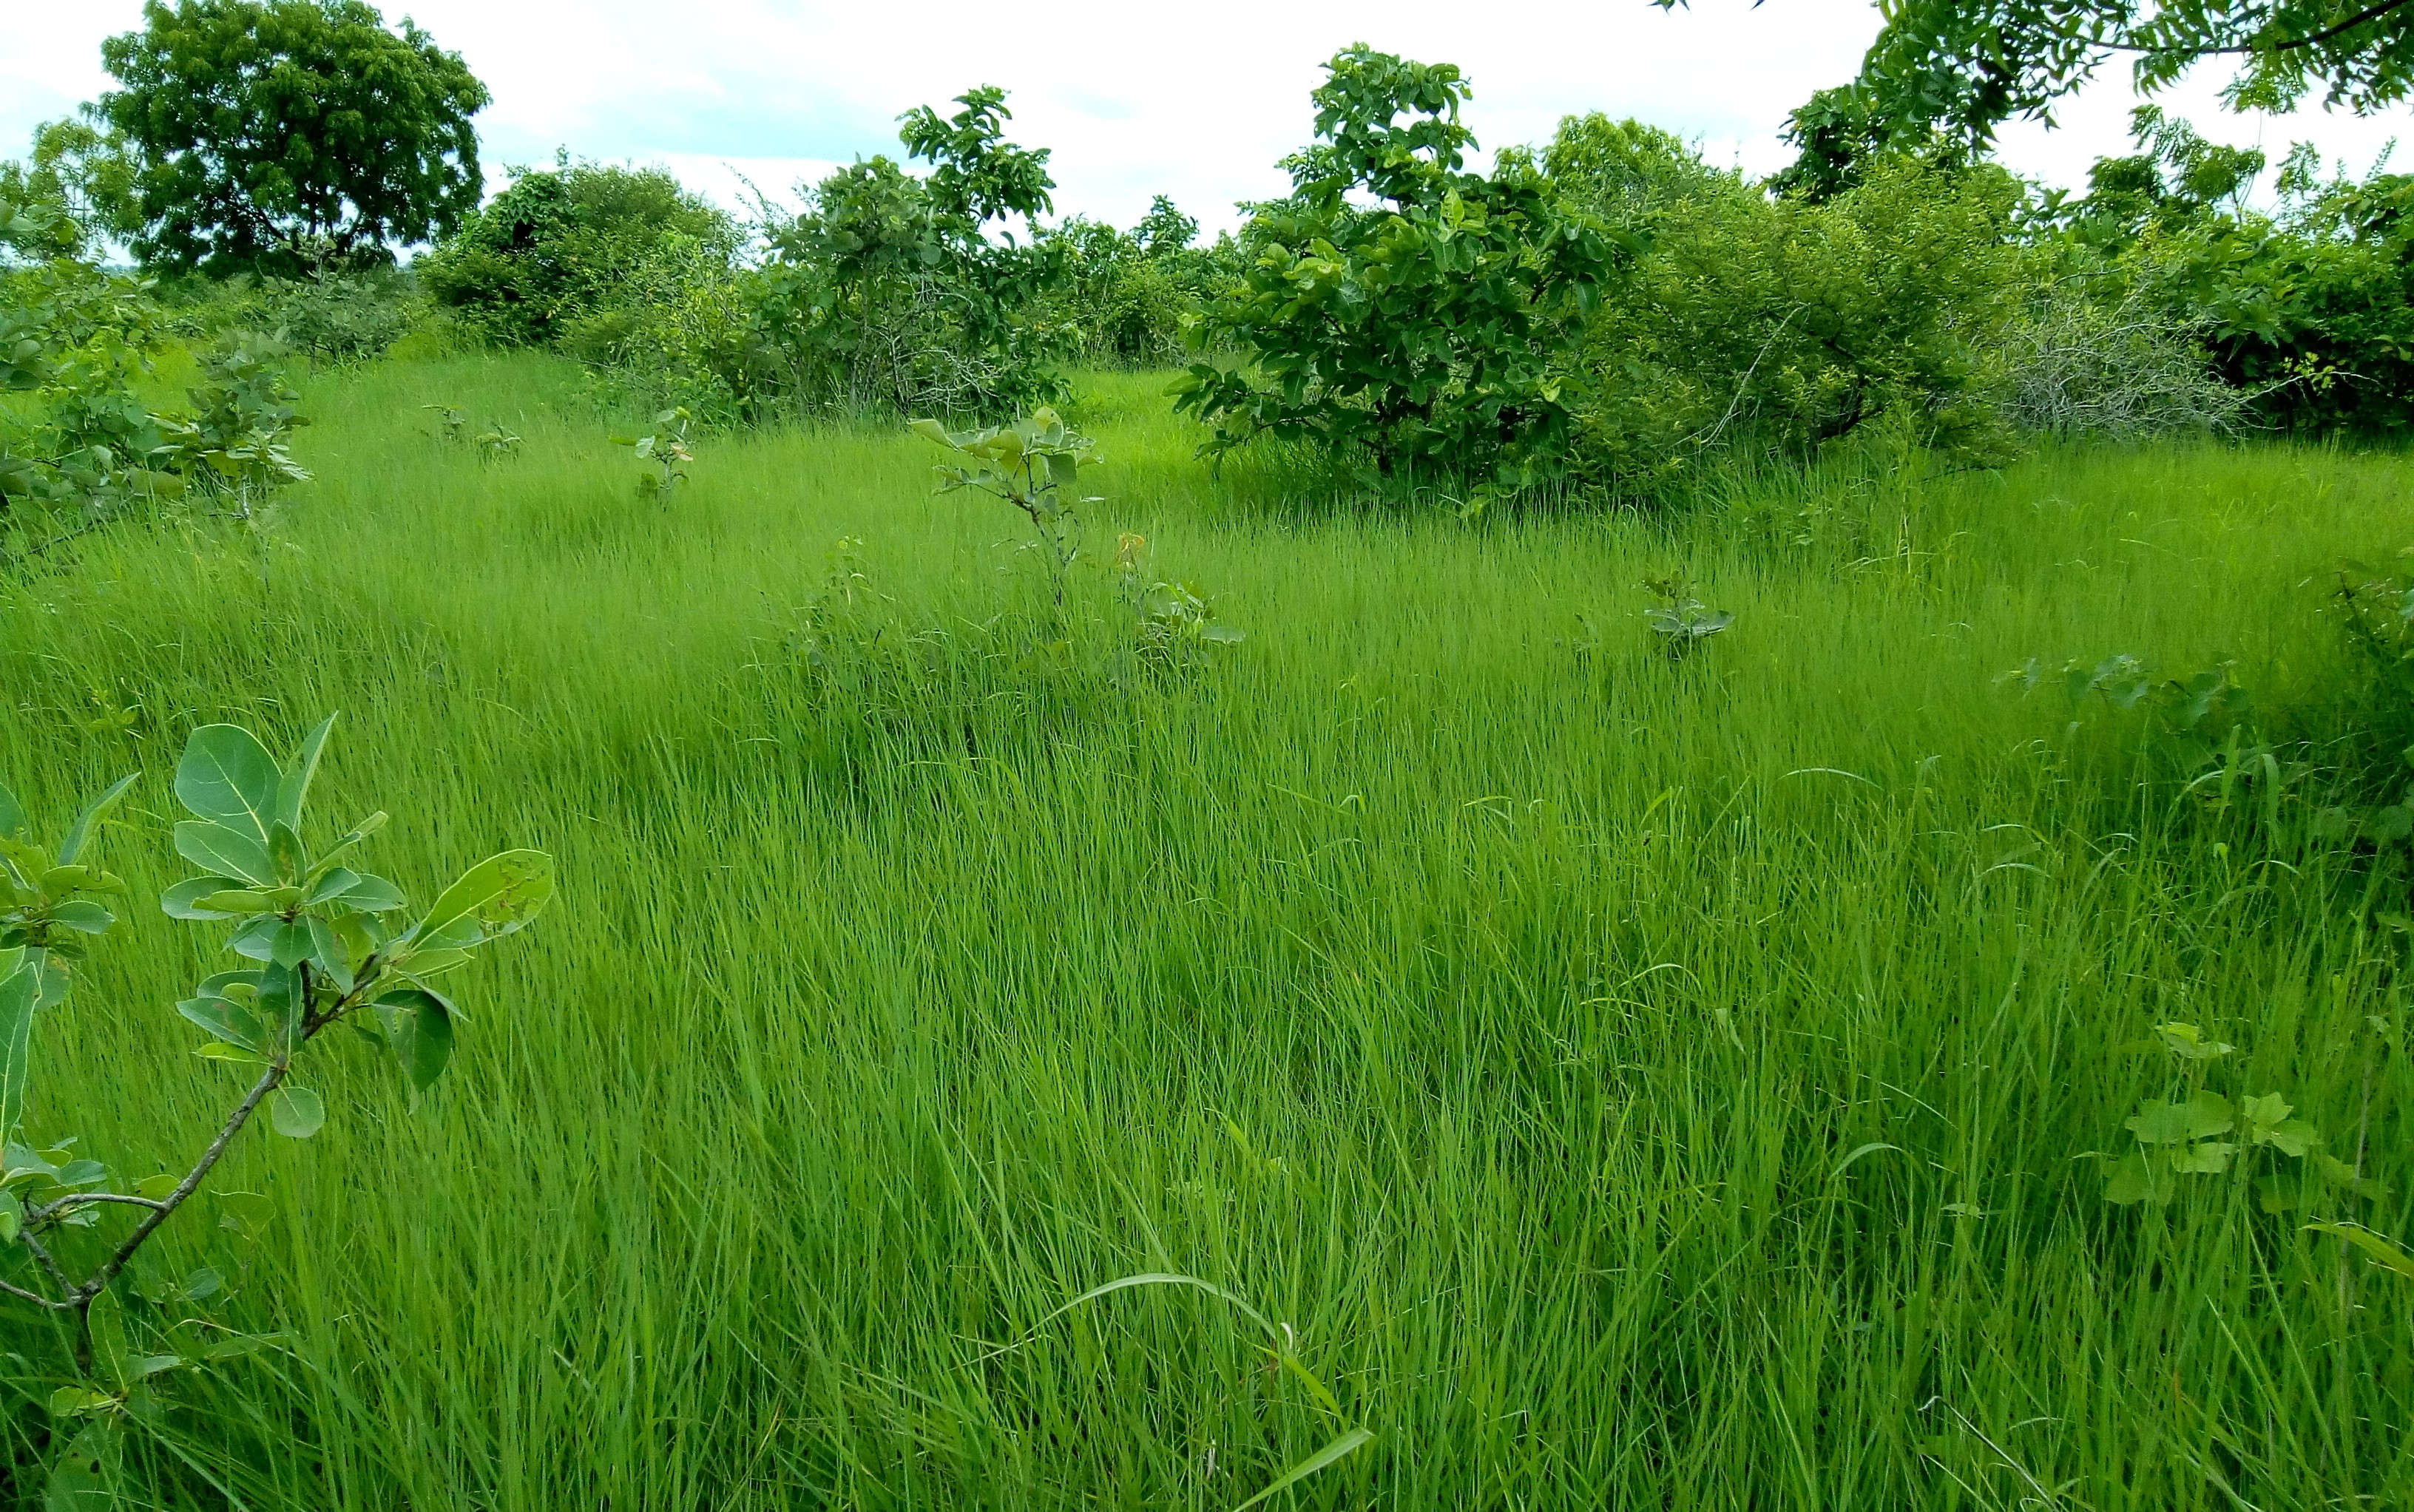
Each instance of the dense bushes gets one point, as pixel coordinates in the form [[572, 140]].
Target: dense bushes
[[1790, 323], [1396, 306], [555, 248]]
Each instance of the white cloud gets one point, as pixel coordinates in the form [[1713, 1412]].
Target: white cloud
[[1133, 100]]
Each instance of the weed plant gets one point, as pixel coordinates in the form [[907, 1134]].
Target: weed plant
[[1619, 1081]]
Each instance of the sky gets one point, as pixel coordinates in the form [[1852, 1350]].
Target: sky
[[1197, 102]]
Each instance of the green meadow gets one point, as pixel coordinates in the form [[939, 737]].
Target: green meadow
[[1529, 1071]]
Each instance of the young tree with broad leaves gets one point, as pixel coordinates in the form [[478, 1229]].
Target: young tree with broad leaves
[[1396, 305]]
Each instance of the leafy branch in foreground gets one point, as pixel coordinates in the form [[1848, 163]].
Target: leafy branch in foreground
[[326, 952], [1031, 465]]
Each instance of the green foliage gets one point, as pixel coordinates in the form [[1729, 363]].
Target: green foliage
[[1680, 620], [1973, 63], [558, 246], [1032, 464], [1129, 293], [1429, 330], [1626, 173], [326, 949], [914, 294], [1173, 624], [1788, 324], [2199, 1131], [2308, 313], [332, 318], [281, 135], [73, 189], [1838, 133], [666, 450], [233, 443], [80, 448]]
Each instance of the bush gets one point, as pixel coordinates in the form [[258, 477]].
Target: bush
[[559, 245], [1396, 308], [2076, 364], [1789, 324]]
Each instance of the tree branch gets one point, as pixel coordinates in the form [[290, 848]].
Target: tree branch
[[242, 1115], [2288, 45]]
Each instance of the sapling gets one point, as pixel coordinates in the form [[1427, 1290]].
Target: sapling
[[1680, 620], [1172, 623], [327, 945], [667, 447], [1033, 464]]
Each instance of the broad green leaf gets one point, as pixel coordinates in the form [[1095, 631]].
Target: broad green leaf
[[2188, 1043], [17, 995], [501, 894], [159, 1186], [372, 894], [291, 944], [419, 1026], [2200, 1117], [2206, 1157], [296, 1112], [12, 1216], [227, 777], [227, 1021], [2138, 1179], [73, 1401], [182, 901], [253, 939], [203, 1282], [227, 852], [83, 915], [247, 1214], [332, 884], [293, 788], [285, 850], [80, 833], [328, 952]]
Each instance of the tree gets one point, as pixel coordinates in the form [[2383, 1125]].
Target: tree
[[1395, 302], [1970, 65], [277, 135], [73, 190], [561, 243]]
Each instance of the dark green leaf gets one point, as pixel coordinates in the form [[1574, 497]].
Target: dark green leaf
[[229, 853], [228, 777]]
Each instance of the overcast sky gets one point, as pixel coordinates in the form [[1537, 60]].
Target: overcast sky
[[1194, 101]]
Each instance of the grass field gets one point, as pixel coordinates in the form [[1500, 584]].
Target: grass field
[[1621, 1083]]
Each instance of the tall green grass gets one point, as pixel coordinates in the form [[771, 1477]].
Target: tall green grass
[[1494, 1003]]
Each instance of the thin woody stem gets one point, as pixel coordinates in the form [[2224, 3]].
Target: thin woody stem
[[151, 1221]]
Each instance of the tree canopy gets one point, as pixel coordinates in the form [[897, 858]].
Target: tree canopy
[[1967, 65], [269, 135]]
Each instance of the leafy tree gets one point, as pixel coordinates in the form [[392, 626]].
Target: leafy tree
[[275, 135], [1972, 64], [73, 190], [1397, 304], [914, 293], [1624, 171], [2310, 311], [1165, 230], [559, 243]]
